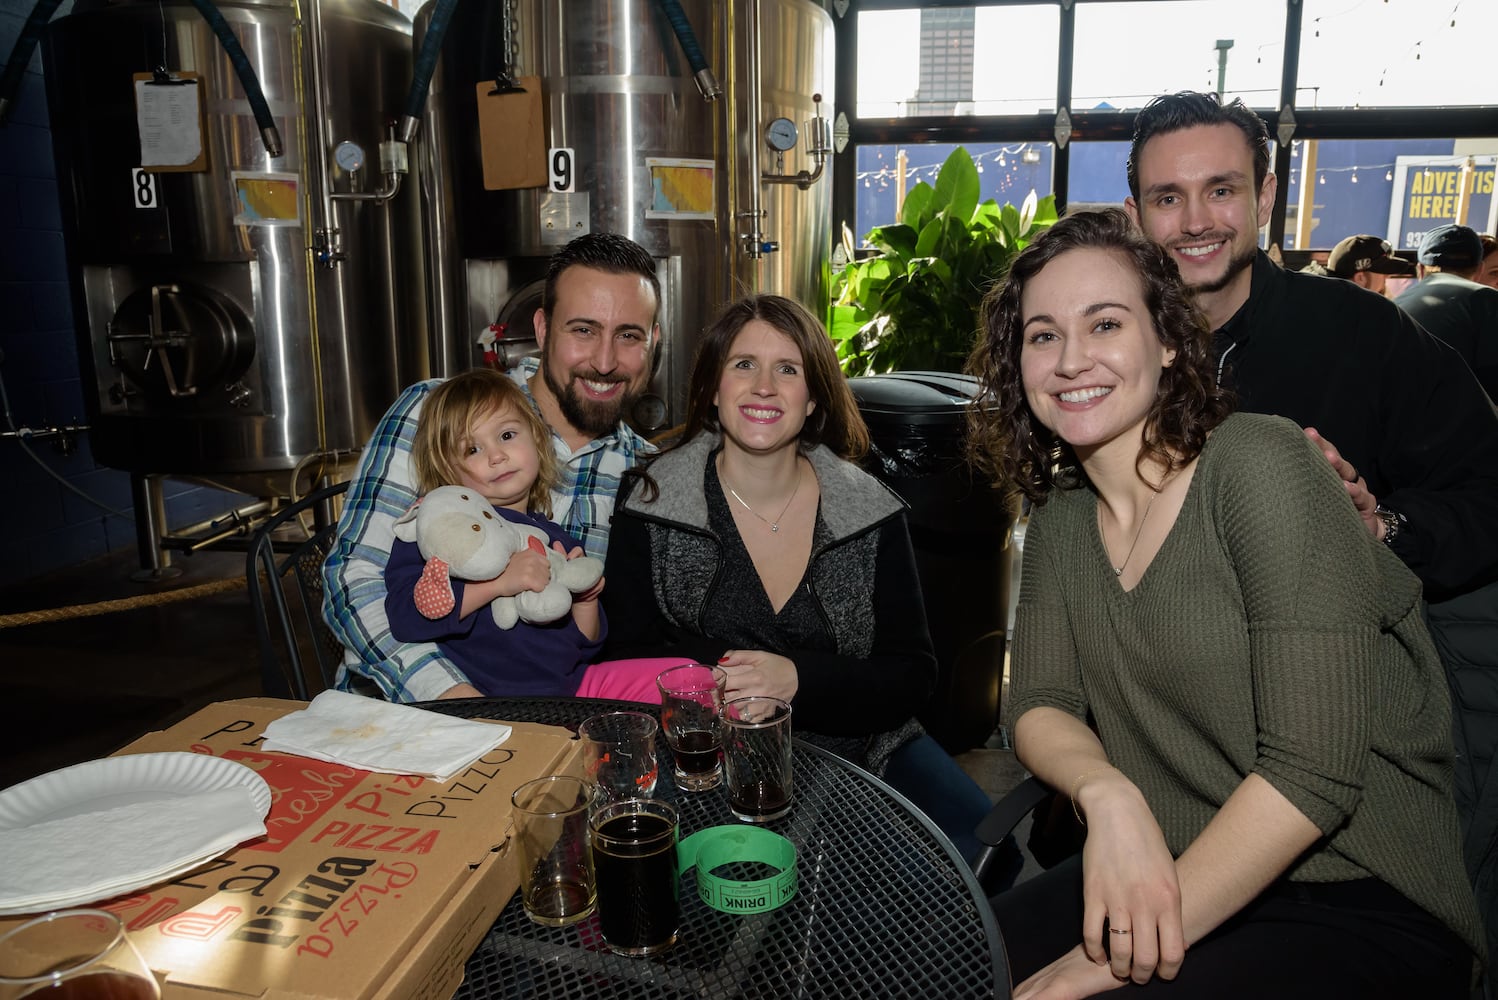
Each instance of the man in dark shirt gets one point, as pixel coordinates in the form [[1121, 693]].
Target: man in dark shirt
[[1399, 406], [1449, 303], [1404, 421]]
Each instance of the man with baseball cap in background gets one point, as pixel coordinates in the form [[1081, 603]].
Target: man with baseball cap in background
[[1367, 261], [1451, 305]]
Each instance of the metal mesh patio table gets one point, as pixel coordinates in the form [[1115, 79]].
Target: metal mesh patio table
[[884, 907]]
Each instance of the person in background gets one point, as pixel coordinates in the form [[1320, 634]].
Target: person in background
[[756, 543], [1259, 747], [1489, 273], [597, 330], [478, 430], [1367, 262], [1450, 304], [1398, 414]]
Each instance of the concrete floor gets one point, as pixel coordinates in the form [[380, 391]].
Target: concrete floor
[[81, 687]]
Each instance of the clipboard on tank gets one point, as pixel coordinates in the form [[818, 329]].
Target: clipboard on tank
[[512, 129], [512, 134], [169, 121]]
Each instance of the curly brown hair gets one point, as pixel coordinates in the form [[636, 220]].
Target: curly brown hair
[[445, 430], [1004, 438]]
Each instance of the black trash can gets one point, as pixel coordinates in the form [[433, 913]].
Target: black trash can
[[960, 527]]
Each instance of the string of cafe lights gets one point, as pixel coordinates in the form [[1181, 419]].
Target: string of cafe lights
[[1361, 31], [1373, 168], [1354, 170], [1005, 158]]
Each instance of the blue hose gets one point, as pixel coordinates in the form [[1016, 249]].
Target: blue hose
[[20, 55], [246, 73], [426, 65], [701, 72]]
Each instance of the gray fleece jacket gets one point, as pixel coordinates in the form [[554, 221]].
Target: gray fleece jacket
[[664, 564]]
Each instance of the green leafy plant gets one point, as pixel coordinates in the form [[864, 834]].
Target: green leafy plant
[[913, 304]]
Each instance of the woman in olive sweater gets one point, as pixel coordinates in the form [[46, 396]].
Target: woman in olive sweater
[[1214, 659]]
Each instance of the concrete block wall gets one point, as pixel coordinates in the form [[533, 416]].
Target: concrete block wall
[[47, 525]]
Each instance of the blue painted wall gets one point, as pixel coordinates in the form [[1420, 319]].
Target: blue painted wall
[[47, 526]]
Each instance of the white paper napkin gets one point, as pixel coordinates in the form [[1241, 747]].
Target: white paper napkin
[[94, 856], [375, 735]]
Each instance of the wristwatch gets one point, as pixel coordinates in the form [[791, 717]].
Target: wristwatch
[[1393, 522]]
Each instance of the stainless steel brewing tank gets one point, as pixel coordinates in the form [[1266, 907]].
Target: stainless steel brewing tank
[[211, 348], [618, 92]]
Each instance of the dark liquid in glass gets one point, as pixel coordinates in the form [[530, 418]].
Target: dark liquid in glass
[[758, 798], [638, 908], [104, 985], [696, 752]]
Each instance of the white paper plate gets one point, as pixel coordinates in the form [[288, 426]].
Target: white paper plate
[[172, 811], [97, 785]]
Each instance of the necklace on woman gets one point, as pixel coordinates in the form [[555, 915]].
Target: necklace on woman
[[1118, 570], [775, 524]]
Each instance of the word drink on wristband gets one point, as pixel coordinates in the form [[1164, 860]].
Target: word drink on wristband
[[710, 849]]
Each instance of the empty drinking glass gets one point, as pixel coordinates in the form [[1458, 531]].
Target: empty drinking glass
[[619, 750], [551, 842]]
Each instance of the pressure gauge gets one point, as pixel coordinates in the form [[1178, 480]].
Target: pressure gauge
[[349, 155], [781, 135], [650, 412]]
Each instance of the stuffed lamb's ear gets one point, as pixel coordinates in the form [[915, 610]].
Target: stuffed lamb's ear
[[434, 591], [405, 525]]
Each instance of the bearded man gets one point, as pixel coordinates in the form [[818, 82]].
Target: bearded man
[[597, 331]]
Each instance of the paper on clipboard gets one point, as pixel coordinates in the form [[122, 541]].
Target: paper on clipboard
[[512, 140], [168, 116]]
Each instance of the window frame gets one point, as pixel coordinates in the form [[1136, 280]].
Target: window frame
[[1286, 121]]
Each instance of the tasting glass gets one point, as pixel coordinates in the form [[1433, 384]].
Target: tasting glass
[[634, 854], [73, 954], [757, 758], [551, 841], [691, 697], [619, 749]]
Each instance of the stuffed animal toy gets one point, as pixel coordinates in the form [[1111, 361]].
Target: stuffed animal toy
[[460, 535]]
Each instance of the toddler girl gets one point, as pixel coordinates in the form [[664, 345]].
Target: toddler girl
[[479, 430]]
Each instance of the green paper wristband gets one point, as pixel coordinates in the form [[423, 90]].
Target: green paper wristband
[[707, 849]]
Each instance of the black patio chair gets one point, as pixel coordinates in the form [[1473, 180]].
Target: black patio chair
[[1017, 803], [284, 573]]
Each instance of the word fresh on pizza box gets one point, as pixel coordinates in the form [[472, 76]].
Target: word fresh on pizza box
[[365, 885]]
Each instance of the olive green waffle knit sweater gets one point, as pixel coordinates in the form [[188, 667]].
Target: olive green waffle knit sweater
[[1270, 635]]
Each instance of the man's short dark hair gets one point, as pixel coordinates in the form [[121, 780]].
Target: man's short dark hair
[[1188, 109], [603, 252]]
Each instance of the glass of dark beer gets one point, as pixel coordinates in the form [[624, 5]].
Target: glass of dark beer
[[634, 856], [691, 695], [757, 758], [73, 955]]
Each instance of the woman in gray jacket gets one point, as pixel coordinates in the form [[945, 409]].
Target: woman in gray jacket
[[757, 544]]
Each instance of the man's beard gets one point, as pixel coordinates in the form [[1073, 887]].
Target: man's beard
[[1236, 265], [586, 415]]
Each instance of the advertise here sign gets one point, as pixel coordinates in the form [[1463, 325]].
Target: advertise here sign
[[1432, 191]]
